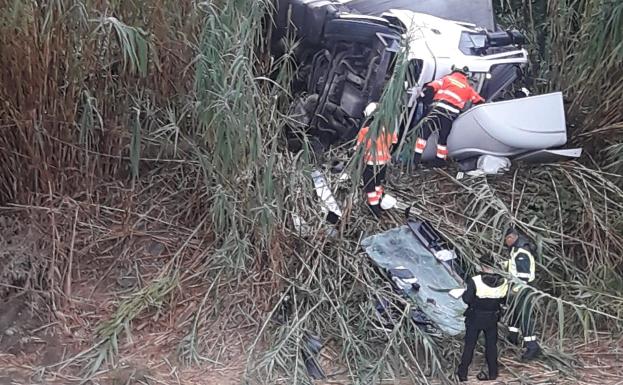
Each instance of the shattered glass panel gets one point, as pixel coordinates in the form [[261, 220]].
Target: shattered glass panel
[[400, 248]]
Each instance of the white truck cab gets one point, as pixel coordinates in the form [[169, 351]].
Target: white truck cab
[[346, 53], [437, 44]]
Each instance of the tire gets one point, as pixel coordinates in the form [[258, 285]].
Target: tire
[[308, 17]]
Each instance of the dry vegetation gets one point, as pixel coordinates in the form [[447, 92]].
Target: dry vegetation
[[145, 205]]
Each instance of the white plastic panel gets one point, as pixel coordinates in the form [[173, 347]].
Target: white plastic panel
[[507, 128]]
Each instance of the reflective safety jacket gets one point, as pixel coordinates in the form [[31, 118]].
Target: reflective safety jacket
[[521, 264], [485, 294], [485, 291], [453, 91], [377, 151]]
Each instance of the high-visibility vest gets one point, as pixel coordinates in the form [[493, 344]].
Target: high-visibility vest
[[455, 90], [377, 152], [521, 264], [485, 291]]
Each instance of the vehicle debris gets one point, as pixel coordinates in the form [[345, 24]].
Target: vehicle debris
[[330, 207], [311, 348], [311, 344], [411, 266], [346, 57]]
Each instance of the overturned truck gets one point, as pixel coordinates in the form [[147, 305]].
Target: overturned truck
[[345, 55]]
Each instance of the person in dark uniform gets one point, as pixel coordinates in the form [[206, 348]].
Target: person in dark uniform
[[485, 294], [521, 265]]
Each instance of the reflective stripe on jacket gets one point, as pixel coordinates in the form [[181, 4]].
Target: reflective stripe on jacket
[[454, 89], [521, 264], [485, 291], [377, 152]]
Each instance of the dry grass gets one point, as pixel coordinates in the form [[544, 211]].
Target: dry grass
[[577, 47], [141, 141]]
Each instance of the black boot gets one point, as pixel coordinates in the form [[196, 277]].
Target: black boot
[[438, 163], [415, 162], [461, 377], [513, 338], [376, 210], [532, 351], [482, 376]]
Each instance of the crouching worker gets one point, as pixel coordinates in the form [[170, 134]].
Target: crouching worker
[[450, 95], [377, 155], [484, 296]]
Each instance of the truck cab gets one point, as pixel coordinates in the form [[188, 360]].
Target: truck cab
[[346, 53]]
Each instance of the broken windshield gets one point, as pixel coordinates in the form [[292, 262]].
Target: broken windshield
[[472, 43]]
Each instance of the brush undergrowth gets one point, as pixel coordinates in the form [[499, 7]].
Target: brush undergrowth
[[159, 118], [577, 47]]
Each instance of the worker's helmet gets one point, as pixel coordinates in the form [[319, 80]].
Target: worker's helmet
[[460, 68], [370, 108]]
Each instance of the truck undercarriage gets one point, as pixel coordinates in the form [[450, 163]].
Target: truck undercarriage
[[345, 59]]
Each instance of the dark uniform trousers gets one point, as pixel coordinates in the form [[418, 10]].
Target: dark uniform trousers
[[441, 120], [520, 315], [476, 322], [484, 296], [374, 176]]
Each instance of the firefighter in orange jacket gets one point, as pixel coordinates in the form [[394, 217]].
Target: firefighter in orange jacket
[[450, 95], [377, 155]]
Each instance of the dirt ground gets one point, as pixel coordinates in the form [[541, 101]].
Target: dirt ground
[[31, 351], [34, 352], [45, 338], [46, 342]]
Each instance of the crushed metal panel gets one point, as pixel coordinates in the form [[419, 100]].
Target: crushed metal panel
[[323, 191], [400, 247]]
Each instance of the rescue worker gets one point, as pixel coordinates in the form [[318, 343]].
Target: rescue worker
[[485, 294], [521, 265], [450, 95], [377, 155]]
